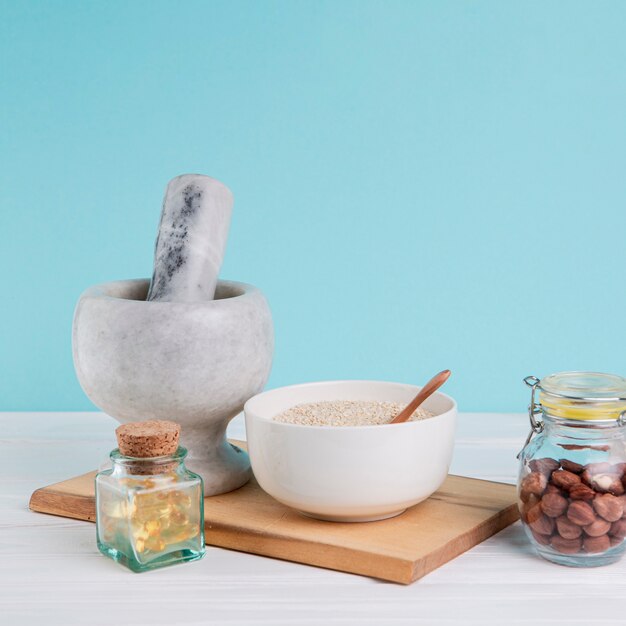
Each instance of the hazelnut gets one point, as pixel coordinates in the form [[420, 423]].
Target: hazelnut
[[609, 507], [566, 546], [533, 484], [543, 525], [597, 528], [618, 529], [593, 469], [615, 541], [567, 529], [596, 544], [553, 504], [580, 513], [543, 540], [607, 483], [554, 489], [544, 466], [534, 513], [524, 507], [582, 492], [570, 466], [564, 479]]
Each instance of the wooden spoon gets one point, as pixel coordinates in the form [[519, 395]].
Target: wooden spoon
[[426, 391]]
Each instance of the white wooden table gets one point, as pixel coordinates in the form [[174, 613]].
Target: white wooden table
[[52, 573]]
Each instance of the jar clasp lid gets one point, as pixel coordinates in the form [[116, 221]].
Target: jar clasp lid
[[533, 409]]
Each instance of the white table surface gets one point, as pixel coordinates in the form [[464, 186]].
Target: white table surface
[[52, 573]]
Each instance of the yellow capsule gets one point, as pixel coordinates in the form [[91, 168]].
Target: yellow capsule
[[146, 509], [149, 517], [140, 545], [178, 517], [163, 509], [153, 527]]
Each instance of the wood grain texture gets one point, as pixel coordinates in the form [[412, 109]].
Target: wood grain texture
[[71, 498], [461, 514]]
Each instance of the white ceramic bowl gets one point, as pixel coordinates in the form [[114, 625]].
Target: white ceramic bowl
[[349, 474]]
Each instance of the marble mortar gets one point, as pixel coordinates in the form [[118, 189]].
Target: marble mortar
[[195, 363]]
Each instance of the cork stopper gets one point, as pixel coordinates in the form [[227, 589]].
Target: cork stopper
[[148, 439]]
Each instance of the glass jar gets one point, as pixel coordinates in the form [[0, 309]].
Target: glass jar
[[149, 511], [572, 468]]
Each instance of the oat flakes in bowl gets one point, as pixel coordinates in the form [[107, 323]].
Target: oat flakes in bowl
[[346, 413]]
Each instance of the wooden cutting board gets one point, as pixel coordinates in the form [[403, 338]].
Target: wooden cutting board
[[461, 514]]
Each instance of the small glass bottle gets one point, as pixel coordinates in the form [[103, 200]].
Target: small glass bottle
[[149, 506], [572, 480]]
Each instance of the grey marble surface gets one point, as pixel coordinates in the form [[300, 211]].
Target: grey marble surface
[[191, 240], [192, 362]]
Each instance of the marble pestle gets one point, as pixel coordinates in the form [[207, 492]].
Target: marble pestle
[[191, 239]]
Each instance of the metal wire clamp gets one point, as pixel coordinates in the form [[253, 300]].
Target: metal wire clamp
[[535, 409]]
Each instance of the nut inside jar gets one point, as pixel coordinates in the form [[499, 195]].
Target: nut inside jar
[[574, 508]]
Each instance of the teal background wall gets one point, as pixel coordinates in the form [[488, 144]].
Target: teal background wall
[[418, 185]]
